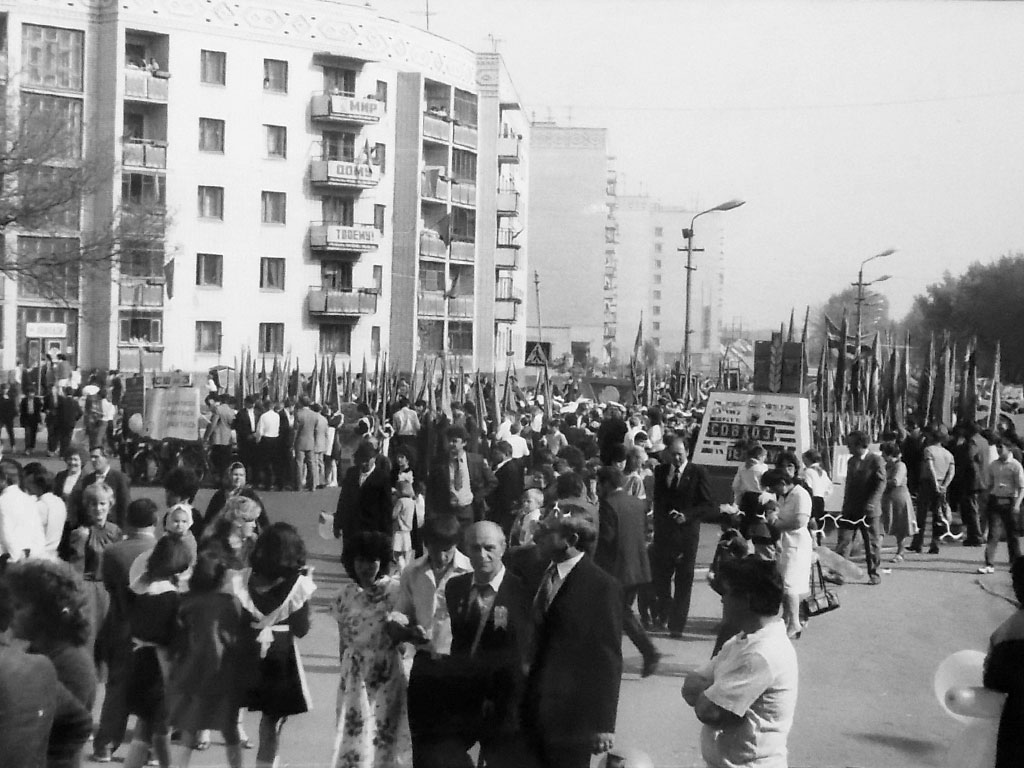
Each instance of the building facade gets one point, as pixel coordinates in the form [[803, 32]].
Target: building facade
[[651, 281], [569, 236], [321, 181]]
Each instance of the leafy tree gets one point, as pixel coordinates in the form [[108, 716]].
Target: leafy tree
[[875, 315]]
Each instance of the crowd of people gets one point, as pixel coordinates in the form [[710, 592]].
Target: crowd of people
[[489, 563]]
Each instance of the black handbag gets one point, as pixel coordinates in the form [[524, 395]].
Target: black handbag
[[822, 599]]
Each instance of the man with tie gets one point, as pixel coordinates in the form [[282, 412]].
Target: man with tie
[[572, 689], [246, 421], [490, 615], [460, 483], [682, 496]]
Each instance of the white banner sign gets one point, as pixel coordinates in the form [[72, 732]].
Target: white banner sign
[[779, 422]]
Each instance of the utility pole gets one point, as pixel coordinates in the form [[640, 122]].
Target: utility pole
[[540, 331], [690, 250]]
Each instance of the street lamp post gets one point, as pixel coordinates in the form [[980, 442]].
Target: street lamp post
[[861, 285], [688, 234]]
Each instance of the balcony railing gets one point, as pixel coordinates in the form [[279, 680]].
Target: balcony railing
[[141, 293], [431, 304], [462, 251], [432, 245], [505, 311], [508, 238], [508, 149], [340, 108], [460, 307], [508, 202], [337, 303], [466, 135], [343, 237], [506, 258], [144, 153], [433, 187], [143, 85], [343, 174], [435, 127], [464, 193]]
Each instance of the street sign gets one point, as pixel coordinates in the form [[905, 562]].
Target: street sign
[[46, 330], [536, 355]]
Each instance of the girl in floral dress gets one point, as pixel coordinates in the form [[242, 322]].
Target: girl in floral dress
[[373, 723]]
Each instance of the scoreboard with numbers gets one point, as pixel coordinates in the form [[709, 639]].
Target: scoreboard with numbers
[[779, 422]]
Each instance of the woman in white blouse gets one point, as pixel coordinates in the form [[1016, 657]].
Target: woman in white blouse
[[52, 511], [795, 548]]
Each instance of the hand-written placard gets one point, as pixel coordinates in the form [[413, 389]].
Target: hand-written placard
[[779, 422], [173, 412]]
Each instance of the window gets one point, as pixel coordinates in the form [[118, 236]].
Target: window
[[378, 278], [335, 339], [211, 203], [378, 217], [657, 309], [142, 189], [52, 57], [51, 126], [463, 165], [382, 92], [656, 326], [657, 263], [338, 145], [208, 336], [337, 211], [142, 259], [658, 232], [211, 134], [463, 223], [465, 108], [431, 336], [336, 276], [135, 327], [213, 67], [277, 141], [657, 279], [273, 207], [432, 276], [657, 247], [58, 273], [656, 340], [275, 75], [272, 274], [657, 295], [339, 81], [379, 157], [210, 269], [460, 338], [375, 340], [271, 339], [49, 197]]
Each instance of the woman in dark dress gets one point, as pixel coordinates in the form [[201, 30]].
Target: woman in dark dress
[[276, 593], [235, 484]]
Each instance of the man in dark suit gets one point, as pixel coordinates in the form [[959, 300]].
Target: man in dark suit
[[490, 616], [31, 416], [461, 483], [117, 559], [102, 473], [508, 492], [245, 432], [612, 432], [572, 689], [364, 503], [682, 497], [62, 413], [622, 552]]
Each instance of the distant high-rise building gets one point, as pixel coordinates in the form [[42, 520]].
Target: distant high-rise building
[[651, 279], [568, 235]]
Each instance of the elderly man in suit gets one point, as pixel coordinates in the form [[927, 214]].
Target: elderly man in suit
[[622, 552], [490, 615], [862, 503], [304, 445], [460, 483], [572, 688], [682, 496]]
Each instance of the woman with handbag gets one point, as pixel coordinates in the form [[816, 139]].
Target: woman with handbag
[[795, 546]]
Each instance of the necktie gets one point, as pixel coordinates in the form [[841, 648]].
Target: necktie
[[478, 612], [457, 474], [546, 593]]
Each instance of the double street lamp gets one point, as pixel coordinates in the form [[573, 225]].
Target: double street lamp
[[688, 234], [860, 285]]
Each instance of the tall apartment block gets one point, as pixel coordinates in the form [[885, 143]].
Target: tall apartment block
[[651, 279], [326, 181], [570, 233]]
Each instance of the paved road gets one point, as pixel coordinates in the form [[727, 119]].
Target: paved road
[[865, 670]]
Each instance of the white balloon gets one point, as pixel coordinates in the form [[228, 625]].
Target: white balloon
[[962, 669]]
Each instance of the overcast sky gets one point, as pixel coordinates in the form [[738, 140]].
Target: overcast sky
[[848, 127]]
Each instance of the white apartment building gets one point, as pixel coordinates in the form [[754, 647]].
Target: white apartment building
[[329, 182]]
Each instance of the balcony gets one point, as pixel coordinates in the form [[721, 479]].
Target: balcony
[[433, 187], [508, 149], [508, 202], [460, 307], [506, 258], [341, 108], [323, 302], [431, 304], [141, 293], [343, 237], [463, 251], [436, 127], [508, 237], [505, 311], [144, 153], [143, 85], [432, 246], [464, 193], [466, 135], [342, 174]]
